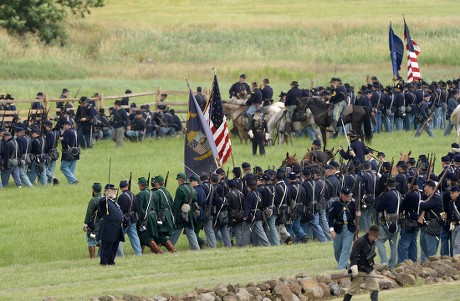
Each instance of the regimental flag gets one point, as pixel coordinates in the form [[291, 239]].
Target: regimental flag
[[413, 70], [218, 123], [200, 153], [396, 52]]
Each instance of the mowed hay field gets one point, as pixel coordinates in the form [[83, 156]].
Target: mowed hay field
[[143, 45], [147, 42]]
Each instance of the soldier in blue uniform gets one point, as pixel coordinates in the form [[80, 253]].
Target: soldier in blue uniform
[[137, 130], [400, 108], [453, 216], [220, 214], [39, 152], [370, 180], [25, 149], [235, 201], [252, 215], [64, 106], [110, 230], [10, 158], [130, 209], [70, 153], [424, 118], [342, 216], [407, 245], [119, 120], [338, 99], [85, 118], [52, 139], [431, 209], [267, 94], [257, 132], [290, 104], [387, 209], [357, 150], [239, 86], [362, 265]]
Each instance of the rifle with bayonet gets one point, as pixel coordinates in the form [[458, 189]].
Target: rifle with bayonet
[[148, 181], [166, 179], [129, 181], [358, 208]]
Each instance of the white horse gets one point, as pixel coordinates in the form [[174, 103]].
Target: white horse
[[278, 122], [455, 120]]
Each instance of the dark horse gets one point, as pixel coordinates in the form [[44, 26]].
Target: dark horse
[[323, 118]]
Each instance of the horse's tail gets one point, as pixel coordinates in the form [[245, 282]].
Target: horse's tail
[[367, 127]]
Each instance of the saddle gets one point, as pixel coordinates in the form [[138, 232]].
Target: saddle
[[347, 110]]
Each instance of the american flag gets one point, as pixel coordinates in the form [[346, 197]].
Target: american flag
[[218, 123], [413, 70]]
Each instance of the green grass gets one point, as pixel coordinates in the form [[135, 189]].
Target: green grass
[[44, 250]]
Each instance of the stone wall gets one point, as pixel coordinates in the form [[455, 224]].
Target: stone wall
[[303, 287]]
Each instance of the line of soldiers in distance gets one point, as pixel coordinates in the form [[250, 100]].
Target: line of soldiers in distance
[[393, 108], [295, 204]]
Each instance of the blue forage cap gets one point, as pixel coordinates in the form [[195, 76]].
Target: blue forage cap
[[296, 168], [232, 183], [245, 165], [280, 174], [316, 142], [306, 172], [220, 189], [214, 177], [346, 191]]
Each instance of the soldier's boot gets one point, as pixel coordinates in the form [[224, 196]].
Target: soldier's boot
[[375, 296], [155, 248], [347, 297], [170, 247], [92, 252]]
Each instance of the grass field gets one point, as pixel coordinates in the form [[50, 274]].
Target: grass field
[[44, 250], [142, 45]]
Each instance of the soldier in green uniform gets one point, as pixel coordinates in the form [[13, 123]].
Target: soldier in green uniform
[[91, 224], [147, 225], [163, 203], [185, 218]]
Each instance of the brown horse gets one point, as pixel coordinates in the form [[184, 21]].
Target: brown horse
[[289, 160], [404, 157], [318, 157], [323, 118], [237, 112]]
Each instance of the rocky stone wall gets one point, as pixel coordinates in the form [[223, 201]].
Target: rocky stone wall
[[302, 287]]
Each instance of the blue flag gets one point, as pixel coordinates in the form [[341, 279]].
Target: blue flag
[[396, 52], [200, 152]]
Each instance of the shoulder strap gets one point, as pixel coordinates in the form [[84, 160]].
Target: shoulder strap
[[192, 190], [149, 206], [131, 199], [166, 198]]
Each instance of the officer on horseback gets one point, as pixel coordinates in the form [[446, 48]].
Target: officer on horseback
[[239, 86], [291, 103], [338, 99]]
